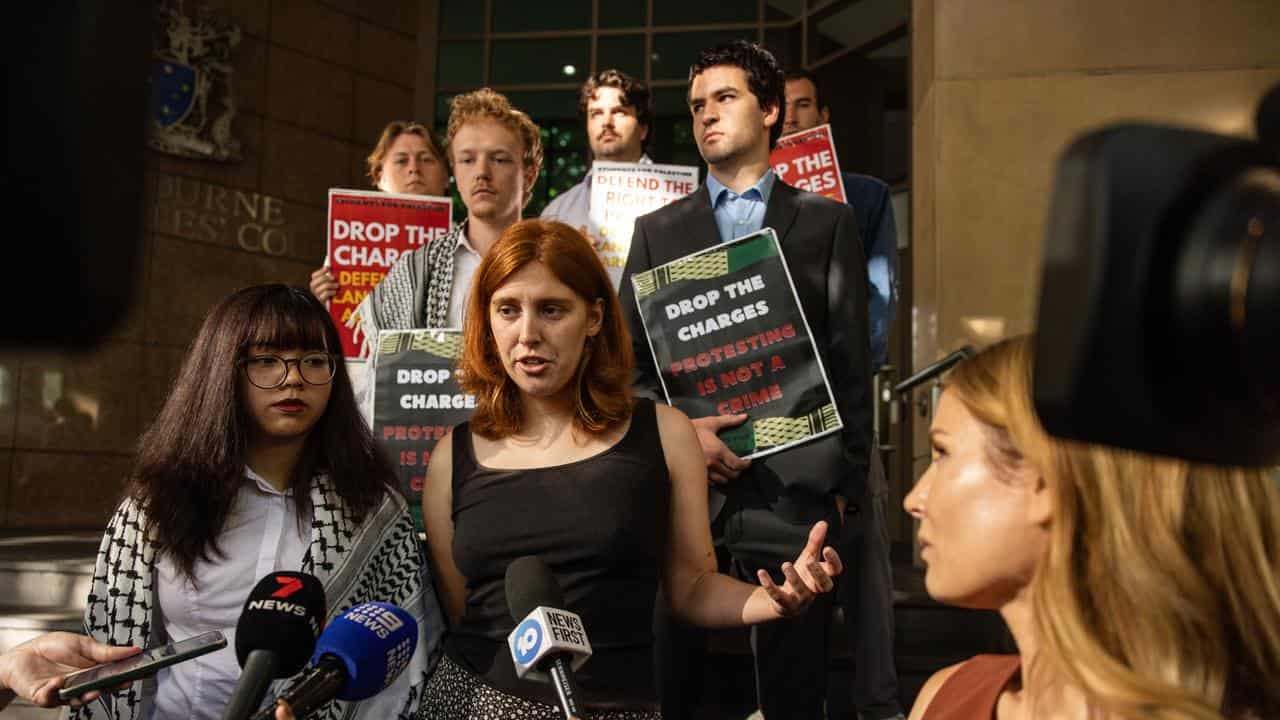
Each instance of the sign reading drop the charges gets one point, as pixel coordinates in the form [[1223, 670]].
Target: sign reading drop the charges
[[622, 192], [368, 232], [729, 336], [807, 160], [416, 400]]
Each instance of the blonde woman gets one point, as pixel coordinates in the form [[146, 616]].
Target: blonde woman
[[1135, 586]]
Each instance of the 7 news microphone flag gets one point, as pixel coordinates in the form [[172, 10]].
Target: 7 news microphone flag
[[275, 635]]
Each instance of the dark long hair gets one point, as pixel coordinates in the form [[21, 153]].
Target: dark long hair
[[191, 460]]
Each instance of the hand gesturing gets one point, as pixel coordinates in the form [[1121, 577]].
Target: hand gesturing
[[810, 575]]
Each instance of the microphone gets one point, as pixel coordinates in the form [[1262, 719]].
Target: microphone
[[549, 644], [274, 636], [361, 652]]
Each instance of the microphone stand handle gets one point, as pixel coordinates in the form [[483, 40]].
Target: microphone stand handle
[[320, 685], [258, 672], [567, 690]]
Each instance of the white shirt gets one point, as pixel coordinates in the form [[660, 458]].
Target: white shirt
[[262, 535], [465, 263]]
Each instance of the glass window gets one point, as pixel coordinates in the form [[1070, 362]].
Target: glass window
[[673, 53], [442, 111], [565, 161], [545, 105], [672, 102], [822, 44], [684, 12], [461, 64], [784, 43], [673, 143], [621, 13], [621, 52], [852, 26], [783, 9], [520, 16], [673, 130], [461, 18], [544, 60]]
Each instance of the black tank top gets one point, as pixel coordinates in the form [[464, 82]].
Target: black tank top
[[600, 525]]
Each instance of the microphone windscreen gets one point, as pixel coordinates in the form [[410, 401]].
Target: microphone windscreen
[[375, 641], [283, 615], [530, 584]]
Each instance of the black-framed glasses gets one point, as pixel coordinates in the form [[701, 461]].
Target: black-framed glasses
[[271, 371]]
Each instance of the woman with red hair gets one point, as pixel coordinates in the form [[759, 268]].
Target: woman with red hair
[[560, 462]]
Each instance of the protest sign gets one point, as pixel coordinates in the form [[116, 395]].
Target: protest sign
[[622, 192], [416, 400], [807, 160], [728, 336], [368, 232]]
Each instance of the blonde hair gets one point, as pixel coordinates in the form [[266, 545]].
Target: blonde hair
[[486, 103], [1159, 591], [393, 130]]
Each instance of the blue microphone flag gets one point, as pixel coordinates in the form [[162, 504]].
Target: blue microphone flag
[[374, 641]]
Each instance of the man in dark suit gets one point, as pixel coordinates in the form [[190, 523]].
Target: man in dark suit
[[763, 510]]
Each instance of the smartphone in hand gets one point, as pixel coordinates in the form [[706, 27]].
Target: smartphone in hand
[[144, 664]]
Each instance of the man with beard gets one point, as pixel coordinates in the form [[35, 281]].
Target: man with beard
[[619, 112]]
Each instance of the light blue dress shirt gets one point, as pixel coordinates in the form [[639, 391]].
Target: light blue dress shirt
[[739, 214]]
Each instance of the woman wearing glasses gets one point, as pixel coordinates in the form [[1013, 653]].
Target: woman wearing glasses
[[258, 462]]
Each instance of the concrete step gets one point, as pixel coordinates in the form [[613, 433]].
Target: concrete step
[[47, 572], [20, 624], [21, 710]]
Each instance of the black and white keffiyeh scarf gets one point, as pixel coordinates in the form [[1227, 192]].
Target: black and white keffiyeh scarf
[[414, 294], [377, 559]]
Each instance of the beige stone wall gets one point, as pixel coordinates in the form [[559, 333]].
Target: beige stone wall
[[1000, 86], [315, 83]]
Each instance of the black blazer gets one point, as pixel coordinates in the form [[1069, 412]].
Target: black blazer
[[819, 238]]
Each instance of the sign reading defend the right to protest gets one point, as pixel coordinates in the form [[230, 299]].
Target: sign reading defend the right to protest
[[416, 401], [728, 336], [807, 160], [622, 192]]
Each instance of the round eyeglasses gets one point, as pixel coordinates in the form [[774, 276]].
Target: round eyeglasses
[[271, 371]]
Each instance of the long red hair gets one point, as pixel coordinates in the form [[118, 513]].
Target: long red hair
[[602, 384]]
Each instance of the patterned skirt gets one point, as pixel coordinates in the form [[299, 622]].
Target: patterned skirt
[[455, 693]]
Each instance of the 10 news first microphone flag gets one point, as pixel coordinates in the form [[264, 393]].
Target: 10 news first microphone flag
[[728, 336]]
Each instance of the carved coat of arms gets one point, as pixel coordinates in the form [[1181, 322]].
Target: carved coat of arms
[[192, 103]]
